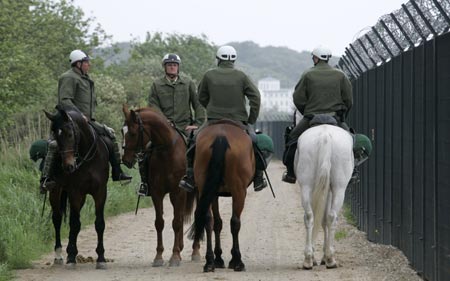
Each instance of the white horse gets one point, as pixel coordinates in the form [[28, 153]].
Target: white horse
[[323, 165]]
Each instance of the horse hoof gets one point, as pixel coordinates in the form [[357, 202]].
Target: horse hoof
[[158, 263], [58, 261], [174, 262], [240, 267], [196, 258], [208, 268], [219, 263], [307, 266], [71, 266], [100, 265], [331, 266]]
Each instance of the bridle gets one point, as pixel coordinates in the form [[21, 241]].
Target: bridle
[[80, 160], [142, 148]]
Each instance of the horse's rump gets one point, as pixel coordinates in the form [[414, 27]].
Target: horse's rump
[[239, 158]]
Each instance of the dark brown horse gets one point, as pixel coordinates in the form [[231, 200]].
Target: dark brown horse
[[224, 164], [167, 164], [84, 170]]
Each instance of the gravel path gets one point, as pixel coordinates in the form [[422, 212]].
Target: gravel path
[[271, 239]]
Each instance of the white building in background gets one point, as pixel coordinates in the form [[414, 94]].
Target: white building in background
[[273, 97]]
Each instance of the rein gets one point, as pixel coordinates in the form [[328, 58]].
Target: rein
[[91, 151], [140, 147]]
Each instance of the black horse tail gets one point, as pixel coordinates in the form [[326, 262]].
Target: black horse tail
[[213, 180], [189, 206]]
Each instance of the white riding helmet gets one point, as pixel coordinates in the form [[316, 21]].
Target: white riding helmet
[[322, 53], [78, 55], [171, 58], [226, 53]]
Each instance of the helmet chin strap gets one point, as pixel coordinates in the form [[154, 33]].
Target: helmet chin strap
[[171, 75]]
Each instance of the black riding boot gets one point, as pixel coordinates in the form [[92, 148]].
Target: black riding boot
[[288, 160], [143, 165], [259, 182], [187, 183], [47, 183], [114, 159]]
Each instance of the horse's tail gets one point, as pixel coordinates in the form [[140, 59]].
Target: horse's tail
[[322, 188], [212, 183], [189, 206]]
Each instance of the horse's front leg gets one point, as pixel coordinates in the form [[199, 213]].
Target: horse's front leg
[[177, 200], [57, 212], [236, 260], [209, 265], [218, 261], [75, 225], [100, 228], [159, 225]]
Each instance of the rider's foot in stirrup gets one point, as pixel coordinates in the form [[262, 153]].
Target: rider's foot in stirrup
[[355, 177], [143, 189], [46, 184], [287, 177], [259, 182], [187, 184]]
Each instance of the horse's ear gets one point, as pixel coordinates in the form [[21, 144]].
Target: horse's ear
[[49, 115], [126, 111], [133, 116]]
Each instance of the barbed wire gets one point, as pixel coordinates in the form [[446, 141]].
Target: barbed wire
[[416, 22]]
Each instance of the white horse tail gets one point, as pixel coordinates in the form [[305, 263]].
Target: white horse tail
[[322, 187]]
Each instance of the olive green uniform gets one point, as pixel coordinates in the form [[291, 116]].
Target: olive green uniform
[[175, 100], [223, 90], [321, 90]]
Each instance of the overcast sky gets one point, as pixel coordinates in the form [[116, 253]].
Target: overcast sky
[[296, 24]]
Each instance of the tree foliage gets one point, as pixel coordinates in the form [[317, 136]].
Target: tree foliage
[[36, 37]]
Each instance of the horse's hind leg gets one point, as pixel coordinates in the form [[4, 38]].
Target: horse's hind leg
[[332, 217], [309, 261], [100, 228], [209, 265], [236, 260], [218, 261]]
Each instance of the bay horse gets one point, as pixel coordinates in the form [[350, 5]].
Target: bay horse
[[84, 170], [323, 166], [224, 164], [166, 167]]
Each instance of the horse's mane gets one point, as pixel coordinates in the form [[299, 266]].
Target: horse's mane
[[152, 109], [72, 111]]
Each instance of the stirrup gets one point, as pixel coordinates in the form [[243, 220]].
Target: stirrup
[[143, 189], [46, 184], [259, 184], [187, 184]]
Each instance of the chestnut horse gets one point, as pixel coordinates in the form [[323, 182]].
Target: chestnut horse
[[224, 164], [167, 164], [323, 165], [85, 170]]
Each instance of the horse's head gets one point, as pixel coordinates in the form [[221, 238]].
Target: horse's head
[[135, 137], [66, 133]]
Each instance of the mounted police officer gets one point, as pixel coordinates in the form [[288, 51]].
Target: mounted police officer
[[223, 92], [75, 88], [321, 90], [174, 96]]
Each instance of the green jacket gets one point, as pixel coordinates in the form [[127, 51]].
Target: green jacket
[[76, 89], [176, 101], [223, 90], [323, 89]]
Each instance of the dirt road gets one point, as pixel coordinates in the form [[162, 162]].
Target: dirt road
[[271, 239]]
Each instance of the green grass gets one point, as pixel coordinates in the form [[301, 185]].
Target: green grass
[[349, 217], [24, 234]]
